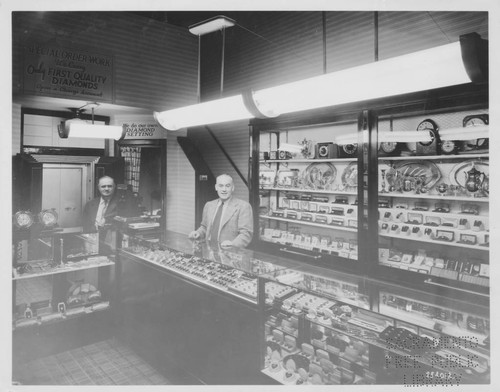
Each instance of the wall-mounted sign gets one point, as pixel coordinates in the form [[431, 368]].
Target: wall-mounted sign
[[68, 73], [144, 130]]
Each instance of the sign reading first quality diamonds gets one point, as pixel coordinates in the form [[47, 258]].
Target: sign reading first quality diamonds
[[55, 71]]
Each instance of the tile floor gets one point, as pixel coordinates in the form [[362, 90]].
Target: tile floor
[[109, 362]]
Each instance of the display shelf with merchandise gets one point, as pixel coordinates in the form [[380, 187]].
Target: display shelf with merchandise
[[306, 182], [434, 202], [58, 276], [342, 343]]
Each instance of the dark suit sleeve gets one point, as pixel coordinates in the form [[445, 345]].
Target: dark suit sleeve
[[88, 218]]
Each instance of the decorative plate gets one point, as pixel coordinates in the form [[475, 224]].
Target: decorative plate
[[350, 175], [458, 173], [412, 171], [320, 175], [23, 219], [48, 218]]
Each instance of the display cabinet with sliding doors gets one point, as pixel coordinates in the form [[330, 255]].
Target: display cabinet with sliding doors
[[433, 197], [305, 189], [399, 190]]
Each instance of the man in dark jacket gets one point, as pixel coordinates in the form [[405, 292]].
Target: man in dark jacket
[[100, 211]]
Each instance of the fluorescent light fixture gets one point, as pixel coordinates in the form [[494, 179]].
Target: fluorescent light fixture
[[405, 136], [220, 110], [467, 133], [424, 70], [77, 128], [447, 65], [210, 25]]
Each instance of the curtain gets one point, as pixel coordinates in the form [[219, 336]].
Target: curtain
[[132, 156]]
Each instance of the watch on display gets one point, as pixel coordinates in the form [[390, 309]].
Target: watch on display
[[475, 144], [428, 147], [23, 219], [48, 218]]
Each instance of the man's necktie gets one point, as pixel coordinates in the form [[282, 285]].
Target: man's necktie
[[214, 233], [100, 214]]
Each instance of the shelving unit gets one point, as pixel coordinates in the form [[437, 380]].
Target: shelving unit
[[307, 184], [69, 253]]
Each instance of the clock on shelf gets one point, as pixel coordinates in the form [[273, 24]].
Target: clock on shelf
[[390, 149], [23, 219], [348, 150], [449, 147], [48, 218], [480, 144], [428, 147]]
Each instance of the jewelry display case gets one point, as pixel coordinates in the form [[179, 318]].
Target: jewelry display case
[[434, 198], [231, 272], [308, 190], [58, 274], [369, 332]]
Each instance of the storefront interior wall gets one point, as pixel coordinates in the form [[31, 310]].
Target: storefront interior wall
[[293, 50], [156, 66]]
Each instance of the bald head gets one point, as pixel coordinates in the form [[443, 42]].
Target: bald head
[[224, 186], [106, 187]]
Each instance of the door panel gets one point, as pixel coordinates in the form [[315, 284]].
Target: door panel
[[63, 190]]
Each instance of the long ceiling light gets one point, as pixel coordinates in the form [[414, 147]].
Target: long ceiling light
[[79, 128], [82, 129], [211, 112], [457, 63]]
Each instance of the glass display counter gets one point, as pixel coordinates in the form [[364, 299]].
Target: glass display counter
[[58, 275], [336, 328], [320, 326]]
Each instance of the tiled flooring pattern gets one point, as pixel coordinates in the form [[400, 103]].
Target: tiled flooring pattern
[[108, 362]]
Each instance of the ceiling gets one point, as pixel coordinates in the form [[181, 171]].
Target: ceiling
[[61, 104]]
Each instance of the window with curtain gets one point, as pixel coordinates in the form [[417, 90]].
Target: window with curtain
[[132, 157]]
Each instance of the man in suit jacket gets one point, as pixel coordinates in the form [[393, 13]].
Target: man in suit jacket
[[102, 209], [232, 225]]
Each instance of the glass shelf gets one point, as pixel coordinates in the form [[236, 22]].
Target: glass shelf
[[300, 222]]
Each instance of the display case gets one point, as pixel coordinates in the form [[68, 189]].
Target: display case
[[58, 274], [231, 272], [307, 190], [319, 326], [340, 329], [433, 197]]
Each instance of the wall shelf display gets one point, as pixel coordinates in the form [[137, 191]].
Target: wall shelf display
[[58, 275], [308, 200], [435, 218]]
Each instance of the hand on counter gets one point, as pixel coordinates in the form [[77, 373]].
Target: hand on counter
[[226, 244], [194, 235]]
